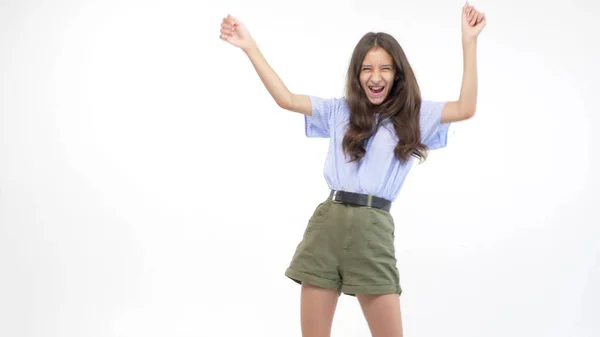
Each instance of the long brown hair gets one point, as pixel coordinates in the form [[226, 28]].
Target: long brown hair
[[401, 106]]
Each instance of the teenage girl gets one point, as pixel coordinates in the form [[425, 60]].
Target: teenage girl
[[375, 132]]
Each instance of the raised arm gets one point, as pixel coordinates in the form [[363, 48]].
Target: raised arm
[[234, 32], [472, 24]]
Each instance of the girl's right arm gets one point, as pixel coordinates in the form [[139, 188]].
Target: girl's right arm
[[284, 98], [234, 32]]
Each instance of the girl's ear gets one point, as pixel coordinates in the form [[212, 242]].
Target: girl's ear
[[398, 76]]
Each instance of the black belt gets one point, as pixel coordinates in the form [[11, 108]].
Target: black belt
[[360, 200]]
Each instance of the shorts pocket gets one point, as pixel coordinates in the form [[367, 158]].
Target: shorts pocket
[[320, 215], [382, 230]]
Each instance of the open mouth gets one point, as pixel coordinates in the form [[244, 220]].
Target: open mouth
[[376, 90]]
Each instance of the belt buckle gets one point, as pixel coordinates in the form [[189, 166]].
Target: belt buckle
[[333, 197]]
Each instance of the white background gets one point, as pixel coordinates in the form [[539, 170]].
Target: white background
[[150, 186]]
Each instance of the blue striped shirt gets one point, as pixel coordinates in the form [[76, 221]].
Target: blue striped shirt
[[379, 173]]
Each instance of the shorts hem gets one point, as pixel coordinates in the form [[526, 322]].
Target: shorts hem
[[300, 277], [371, 290]]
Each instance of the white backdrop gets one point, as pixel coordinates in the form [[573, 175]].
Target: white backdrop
[[150, 186]]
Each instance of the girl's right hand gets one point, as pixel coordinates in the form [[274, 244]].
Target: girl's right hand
[[234, 32]]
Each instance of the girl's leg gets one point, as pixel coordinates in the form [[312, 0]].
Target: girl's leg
[[382, 313], [317, 310]]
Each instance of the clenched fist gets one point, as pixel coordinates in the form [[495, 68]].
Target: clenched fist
[[234, 32]]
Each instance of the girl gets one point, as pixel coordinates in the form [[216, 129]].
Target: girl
[[375, 133]]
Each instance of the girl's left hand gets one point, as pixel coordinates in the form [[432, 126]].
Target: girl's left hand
[[473, 22]]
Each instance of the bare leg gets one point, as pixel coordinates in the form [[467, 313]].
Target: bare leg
[[383, 314], [317, 310]]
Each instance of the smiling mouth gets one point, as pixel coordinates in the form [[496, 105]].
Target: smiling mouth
[[376, 89]]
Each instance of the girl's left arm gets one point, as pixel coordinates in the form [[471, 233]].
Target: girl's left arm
[[472, 23]]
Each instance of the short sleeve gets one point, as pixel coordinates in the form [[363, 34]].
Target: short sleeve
[[323, 119], [434, 133]]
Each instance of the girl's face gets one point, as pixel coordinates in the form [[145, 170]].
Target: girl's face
[[377, 75]]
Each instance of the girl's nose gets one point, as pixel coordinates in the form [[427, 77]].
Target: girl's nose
[[376, 76]]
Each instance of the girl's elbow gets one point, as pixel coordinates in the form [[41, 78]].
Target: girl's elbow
[[469, 113]]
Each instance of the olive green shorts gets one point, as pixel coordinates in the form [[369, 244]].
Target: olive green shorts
[[348, 248]]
